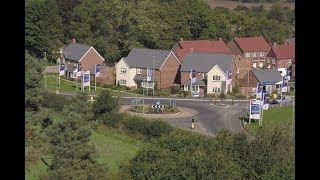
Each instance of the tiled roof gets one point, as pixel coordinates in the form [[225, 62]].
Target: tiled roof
[[201, 46], [252, 44], [143, 58], [267, 75], [284, 51], [203, 62], [75, 51]]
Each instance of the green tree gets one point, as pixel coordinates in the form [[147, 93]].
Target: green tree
[[80, 105], [33, 69], [43, 27], [105, 103], [73, 156]]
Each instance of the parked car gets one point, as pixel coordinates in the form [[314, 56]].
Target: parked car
[[272, 101], [284, 99]]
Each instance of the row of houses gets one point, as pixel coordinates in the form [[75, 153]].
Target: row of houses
[[218, 66]]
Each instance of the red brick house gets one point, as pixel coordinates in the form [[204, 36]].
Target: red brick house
[[249, 52], [282, 56], [87, 56], [184, 47], [131, 71], [107, 74]]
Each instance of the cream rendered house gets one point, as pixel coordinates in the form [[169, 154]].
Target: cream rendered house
[[212, 70], [125, 74]]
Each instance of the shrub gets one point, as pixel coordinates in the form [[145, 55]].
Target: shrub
[[185, 93], [171, 109], [105, 103], [236, 89], [136, 125], [222, 96], [111, 119], [157, 128], [175, 89], [54, 101]]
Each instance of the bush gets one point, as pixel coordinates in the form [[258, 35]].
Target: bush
[[136, 125], [213, 96], [157, 128], [171, 109], [185, 93], [105, 103], [111, 119], [175, 89], [241, 96], [54, 101], [236, 89], [164, 92], [222, 96]]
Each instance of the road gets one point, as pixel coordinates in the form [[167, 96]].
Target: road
[[211, 117]]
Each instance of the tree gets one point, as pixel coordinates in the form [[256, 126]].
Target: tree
[[43, 28], [72, 154], [33, 69], [80, 105], [105, 103]]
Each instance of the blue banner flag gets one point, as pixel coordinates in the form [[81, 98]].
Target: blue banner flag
[[97, 73], [193, 75], [149, 74], [79, 69], [86, 79], [61, 69]]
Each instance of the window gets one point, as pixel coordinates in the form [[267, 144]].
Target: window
[[261, 64], [123, 82], [254, 64], [238, 70], [247, 54], [268, 60], [254, 54], [215, 78], [195, 88], [123, 70], [138, 71], [261, 54], [273, 61], [216, 90]]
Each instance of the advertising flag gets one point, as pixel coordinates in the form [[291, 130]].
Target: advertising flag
[[97, 73], [79, 70], [254, 109], [61, 69], [229, 77], [86, 79], [193, 75], [149, 74]]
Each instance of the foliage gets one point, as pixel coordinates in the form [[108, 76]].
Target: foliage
[[157, 128], [80, 105], [184, 155], [72, 154], [43, 28], [185, 93], [33, 69], [105, 103], [174, 89], [111, 119], [236, 89], [136, 125], [54, 101]]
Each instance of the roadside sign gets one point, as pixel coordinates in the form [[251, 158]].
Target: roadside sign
[[255, 109], [158, 103]]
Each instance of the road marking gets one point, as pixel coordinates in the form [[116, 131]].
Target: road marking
[[204, 129]]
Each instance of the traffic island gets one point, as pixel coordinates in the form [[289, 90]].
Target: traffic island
[[154, 109]]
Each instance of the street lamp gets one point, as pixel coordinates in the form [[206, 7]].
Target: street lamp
[[248, 85]]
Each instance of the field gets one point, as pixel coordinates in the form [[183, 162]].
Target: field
[[113, 148], [234, 4], [68, 86], [271, 118]]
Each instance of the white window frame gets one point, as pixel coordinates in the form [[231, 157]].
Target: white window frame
[[238, 71], [254, 54], [123, 70], [139, 71], [247, 54], [261, 54], [261, 64], [216, 90], [216, 77], [254, 64], [123, 82], [273, 60]]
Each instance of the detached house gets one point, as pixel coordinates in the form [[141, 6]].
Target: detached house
[[282, 56], [211, 73], [131, 71]]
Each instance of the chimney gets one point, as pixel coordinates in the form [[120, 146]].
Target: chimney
[[74, 40], [181, 39], [220, 39]]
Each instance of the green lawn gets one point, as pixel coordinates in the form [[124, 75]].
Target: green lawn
[[36, 170], [271, 118], [67, 86], [114, 148]]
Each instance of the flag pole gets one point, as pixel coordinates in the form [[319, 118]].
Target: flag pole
[[95, 78], [58, 60], [89, 81], [59, 74]]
